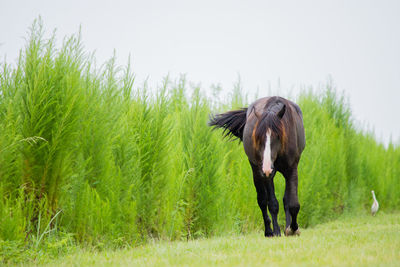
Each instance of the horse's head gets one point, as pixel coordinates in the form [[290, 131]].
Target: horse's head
[[269, 136]]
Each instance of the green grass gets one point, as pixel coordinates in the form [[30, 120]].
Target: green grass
[[355, 241]]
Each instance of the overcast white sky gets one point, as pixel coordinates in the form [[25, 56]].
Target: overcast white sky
[[300, 43]]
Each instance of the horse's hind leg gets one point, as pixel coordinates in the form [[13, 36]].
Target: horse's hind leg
[[273, 205], [262, 198], [291, 202], [287, 213]]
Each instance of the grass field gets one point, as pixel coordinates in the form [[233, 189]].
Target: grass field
[[348, 241]]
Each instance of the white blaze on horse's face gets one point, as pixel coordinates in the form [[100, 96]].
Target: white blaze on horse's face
[[267, 162]]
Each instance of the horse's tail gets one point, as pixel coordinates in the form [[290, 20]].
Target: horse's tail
[[232, 122]]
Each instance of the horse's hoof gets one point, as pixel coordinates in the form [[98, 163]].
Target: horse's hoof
[[289, 232], [297, 232], [277, 234], [268, 234]]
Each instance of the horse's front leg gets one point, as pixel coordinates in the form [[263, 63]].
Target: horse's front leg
[[262, 201], [262, 198], [291, 202], [273, 205]]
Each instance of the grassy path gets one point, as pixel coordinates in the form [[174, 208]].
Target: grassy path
[[362, 241]]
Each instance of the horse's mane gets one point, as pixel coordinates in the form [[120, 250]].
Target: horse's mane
[[270, 119]]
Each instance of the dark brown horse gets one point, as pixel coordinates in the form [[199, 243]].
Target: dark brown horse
[[273, 137]]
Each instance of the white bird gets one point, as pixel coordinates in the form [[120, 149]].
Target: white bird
[[375, 205]]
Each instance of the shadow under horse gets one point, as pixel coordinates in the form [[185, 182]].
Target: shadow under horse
[[272, 133]]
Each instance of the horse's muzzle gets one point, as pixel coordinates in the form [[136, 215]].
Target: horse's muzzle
[[268, 170]]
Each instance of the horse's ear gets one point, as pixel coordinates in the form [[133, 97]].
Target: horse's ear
[[253, 109], [281, 112]]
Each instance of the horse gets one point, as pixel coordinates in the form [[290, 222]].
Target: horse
[[272, 132]]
